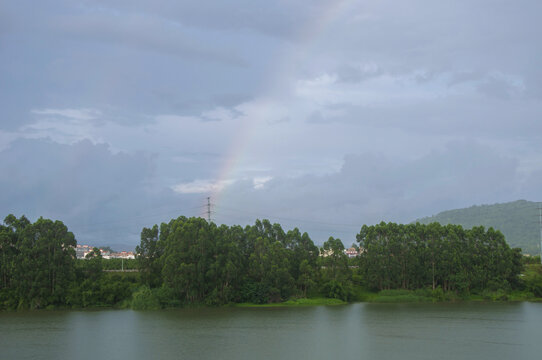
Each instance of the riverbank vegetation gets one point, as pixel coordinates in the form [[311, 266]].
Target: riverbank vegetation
[[190, 262], [416, 256]]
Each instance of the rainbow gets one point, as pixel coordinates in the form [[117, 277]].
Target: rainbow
[[238, 148]]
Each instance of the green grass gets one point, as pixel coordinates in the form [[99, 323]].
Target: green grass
[[362, 295], [409, 296], [426, 295], [297, 302], [401, 296], [314, 301]]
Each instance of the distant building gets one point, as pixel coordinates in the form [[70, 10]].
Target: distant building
[[123, 255], [326, 253], [351, 252], [81, 251]]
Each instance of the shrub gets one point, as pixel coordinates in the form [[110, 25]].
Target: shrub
[[144, 299]]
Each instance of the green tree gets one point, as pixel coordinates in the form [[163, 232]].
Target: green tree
[[93, 264], [45, 261], [148, 254], [337, 277]]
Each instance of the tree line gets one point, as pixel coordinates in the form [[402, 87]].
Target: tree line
[[415, 256], [36, 261], [39, 269], [191, 261]]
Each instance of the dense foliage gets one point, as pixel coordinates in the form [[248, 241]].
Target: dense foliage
[[191, 261], [416, 256], [517, 220], [38, 269], [37, 262]]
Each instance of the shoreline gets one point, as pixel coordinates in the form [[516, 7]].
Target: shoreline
[[302, 302]]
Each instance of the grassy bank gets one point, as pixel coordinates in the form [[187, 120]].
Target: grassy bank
[[423, 295], [297, 302]]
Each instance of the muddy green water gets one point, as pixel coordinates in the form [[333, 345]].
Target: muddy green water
[[358, 331]]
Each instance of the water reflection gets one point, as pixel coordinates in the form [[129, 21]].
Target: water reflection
[[360, 331]]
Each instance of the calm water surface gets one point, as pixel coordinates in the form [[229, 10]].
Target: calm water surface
[[357, 331]]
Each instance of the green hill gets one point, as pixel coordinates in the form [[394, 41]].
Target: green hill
[[517, 220]]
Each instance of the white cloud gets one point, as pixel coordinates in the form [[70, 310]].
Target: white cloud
[[260, 181], [201, 186], [174, 119], [64, 126], [76, 114], [218, 114], [319, 81]]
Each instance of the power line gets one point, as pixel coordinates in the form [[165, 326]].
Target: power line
[[131, 218], [291, 224], [125, 223], [319, 227], [287, 218]]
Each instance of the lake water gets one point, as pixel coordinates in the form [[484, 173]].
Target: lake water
[[357, 331]]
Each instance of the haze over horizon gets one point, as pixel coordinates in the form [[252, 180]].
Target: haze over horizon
[[322, 115]]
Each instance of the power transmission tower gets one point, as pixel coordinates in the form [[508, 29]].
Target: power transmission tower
[[540, 223], [209, 209]]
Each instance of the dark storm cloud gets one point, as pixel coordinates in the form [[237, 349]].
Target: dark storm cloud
[[371, 188], [99, 195], [46, 176]]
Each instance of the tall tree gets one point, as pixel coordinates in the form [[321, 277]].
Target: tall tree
[[45, 261], [148, 254]]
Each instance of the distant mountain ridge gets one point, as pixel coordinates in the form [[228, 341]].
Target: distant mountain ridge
[[517, 220]]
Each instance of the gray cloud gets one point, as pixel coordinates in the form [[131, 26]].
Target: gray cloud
[[106, 106], [146, 32], [282, 19], [370, 188], [353, 74], [102, 197]]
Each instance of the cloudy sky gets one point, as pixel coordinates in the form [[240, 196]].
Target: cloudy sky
[[320, 114]]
